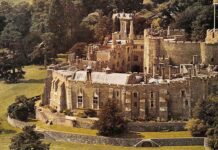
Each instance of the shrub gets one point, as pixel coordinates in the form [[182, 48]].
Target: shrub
[[68, 112], [196, 127], [82, 115], [111, 122], [90, 113], [22, 109]]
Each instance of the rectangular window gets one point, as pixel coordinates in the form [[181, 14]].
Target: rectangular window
[[142, 47], [95, 103], [152, 95], [152, 104], [79, 102], [135, 104]]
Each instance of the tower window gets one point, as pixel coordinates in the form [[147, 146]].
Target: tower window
[[182, 93], [152, 104]]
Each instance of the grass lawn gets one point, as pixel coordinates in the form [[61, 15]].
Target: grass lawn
[[34, 86]]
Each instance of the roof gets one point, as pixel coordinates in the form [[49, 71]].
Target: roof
[[103, 77]]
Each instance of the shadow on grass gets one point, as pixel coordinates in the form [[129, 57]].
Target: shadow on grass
[[5, 131]]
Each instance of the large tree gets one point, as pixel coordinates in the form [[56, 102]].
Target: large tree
[[111, 121]]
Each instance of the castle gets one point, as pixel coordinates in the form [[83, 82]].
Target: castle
[[158, 76]]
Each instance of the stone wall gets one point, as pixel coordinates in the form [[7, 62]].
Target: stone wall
[[17, 123], [180, 141], [209, 53], [156, 126], [181, 52], [85, 139]]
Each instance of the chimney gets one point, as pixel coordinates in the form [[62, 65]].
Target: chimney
[[89, 73], [168, 31], [154, 71], [170, 72]]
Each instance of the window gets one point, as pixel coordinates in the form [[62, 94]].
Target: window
[[95, 100], [212, 59], [152, 95], [134, 46], [152, 104], [186, 103], [118, 93], [142, 47], [135, 95], [79, 102], [128, 58], [182, 93], [136, 58]]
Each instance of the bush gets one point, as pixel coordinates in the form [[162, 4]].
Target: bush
[[22, 109], [68, 112], [197, 127], [90, 113], [111, 122], [81, 115]]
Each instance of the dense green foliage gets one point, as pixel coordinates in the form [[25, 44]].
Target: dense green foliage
[[40, 30], [28, 139], [22, 109], [111, 121], [206, 121]]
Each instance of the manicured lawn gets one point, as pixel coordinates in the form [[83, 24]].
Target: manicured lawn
[[70, 146], [32, 86]]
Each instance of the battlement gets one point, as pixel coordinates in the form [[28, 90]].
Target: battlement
[[179, 42]]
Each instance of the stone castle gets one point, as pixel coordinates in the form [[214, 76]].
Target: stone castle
[[159, 76]]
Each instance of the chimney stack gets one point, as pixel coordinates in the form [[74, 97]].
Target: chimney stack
[[170, 72]]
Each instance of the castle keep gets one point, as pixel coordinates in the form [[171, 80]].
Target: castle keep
[[158, 76]]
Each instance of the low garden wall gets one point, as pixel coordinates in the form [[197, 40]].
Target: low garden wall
[[87, 139], [180, 141], [156, 126]]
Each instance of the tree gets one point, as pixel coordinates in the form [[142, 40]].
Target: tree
[[79, 49], [28, 139], [197, 127], [57, 25], [212, 135], [103, 28], [111, 121], [22, 109]]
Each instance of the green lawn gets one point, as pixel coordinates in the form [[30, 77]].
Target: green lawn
[[34, 86]]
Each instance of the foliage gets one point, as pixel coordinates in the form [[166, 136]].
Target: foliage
[[111, 121], [196, 127], [90, 113], [103, 28], [22, 109], [79, 49], [28, 139], [212, 135]]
